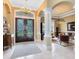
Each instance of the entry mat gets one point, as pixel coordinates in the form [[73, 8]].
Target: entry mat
[[24, 50]]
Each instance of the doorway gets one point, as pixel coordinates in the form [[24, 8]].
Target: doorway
[[24, 30], [42, 28], [57, 31]]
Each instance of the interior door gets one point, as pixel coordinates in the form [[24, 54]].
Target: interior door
[[24, 30], [29, 29]]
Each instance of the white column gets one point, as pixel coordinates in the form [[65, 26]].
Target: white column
[[47, 32]]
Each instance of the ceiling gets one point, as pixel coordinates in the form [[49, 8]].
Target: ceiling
[[29, 4], [62, 8], [58, 6], [52, 3]]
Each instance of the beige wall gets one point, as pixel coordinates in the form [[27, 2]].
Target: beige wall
[[63, 25]]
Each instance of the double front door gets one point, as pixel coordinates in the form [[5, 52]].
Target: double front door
[[24, 30]]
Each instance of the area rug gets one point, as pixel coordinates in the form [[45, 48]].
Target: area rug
[[24, 50]]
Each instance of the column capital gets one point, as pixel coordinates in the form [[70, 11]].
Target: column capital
[[48, 9]]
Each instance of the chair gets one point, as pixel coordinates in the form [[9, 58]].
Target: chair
[[71, 35], [64, 38]]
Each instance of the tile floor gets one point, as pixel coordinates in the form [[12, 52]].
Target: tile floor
[[57, 52]]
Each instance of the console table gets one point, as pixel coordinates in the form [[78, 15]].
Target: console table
[[7, 41]]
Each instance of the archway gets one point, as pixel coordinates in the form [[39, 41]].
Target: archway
[[58, 9]]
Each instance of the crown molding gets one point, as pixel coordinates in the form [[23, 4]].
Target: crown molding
[[68, 13]]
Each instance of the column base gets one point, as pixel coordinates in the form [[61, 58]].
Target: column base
[[38, 39], [48, 43]]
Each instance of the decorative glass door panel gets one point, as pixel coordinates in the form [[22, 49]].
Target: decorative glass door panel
[[29, 28], [20, 28], [24, 30]]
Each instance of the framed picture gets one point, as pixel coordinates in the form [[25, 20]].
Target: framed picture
[[71, 26]]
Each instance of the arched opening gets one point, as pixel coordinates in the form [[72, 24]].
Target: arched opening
[[59, 9]]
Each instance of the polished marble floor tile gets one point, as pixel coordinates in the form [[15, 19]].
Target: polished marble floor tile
[[57, 52]]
